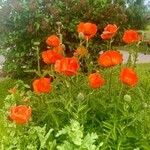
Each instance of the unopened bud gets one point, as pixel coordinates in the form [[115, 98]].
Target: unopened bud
[[36, 43], [59, 23], [127, 98], [64, 47], [145, 105], [80, 96], [81, 35]]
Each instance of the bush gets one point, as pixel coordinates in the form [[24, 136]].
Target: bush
[[26, 22]]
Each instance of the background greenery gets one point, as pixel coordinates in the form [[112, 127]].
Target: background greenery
[[5, 85], [25, 22]]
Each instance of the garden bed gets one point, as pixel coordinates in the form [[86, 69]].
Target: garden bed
[[74, 90]]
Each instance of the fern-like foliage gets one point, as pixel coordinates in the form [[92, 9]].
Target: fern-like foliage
[[75, 138]]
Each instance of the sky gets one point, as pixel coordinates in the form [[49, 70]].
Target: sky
[[147, 1]]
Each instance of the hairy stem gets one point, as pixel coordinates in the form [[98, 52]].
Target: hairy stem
[[38, 62], [110, 82]]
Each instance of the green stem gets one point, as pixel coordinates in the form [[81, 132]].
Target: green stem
[[81, 42], [110, 44], [135, 59], [129, 61], [38, 61], [120, 93], [136, 54], [87, 43], [59, 32], [86, 59], [110, 82]]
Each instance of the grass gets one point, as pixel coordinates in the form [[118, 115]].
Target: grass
[[142, 68], [148, 27], [144, 71], [143, 48], [5, 85]]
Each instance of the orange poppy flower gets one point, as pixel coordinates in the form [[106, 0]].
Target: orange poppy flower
[[59, 49], [20, 114], [50, 56], [53, 40], [109, 31], [95, 80], [110, 58], [67, 66], [128, 76], [88, 29], [42, 85], [131, 36]]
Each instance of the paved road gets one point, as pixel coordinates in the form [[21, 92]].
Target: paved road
[[2, 59], [142, 58]]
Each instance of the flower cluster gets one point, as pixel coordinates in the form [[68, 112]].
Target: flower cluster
[[69, 66]]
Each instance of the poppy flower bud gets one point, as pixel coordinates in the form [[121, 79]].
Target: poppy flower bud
[[145, 105], [81, 35], [80, 96], [63, 46], [59, 23], [127, 98], [36, 43]]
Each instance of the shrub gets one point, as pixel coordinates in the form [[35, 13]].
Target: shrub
[[26, 22]]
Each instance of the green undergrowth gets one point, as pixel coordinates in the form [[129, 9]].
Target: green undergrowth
[[5, 85], [120, 123]]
